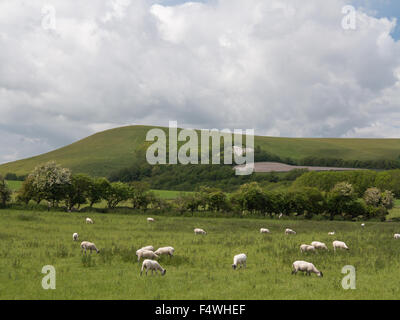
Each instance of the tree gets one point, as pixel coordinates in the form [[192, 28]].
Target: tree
[[372, 197], [5, 192], [76, 191], [140, 194], [340, 199], [28, 192], [115, 193], [51, 180], [96, 190]]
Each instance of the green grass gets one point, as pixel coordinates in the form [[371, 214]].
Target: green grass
[[107, 151], [14, 185], [201, 267], [170, 194]]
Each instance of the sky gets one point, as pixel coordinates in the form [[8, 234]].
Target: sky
[[281, 67]]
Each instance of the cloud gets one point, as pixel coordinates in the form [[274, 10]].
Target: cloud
[[281, 67]]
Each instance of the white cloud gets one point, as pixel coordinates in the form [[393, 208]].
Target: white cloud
[[282, 67]]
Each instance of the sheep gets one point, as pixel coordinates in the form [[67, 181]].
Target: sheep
[[153, 266], [319, 245], [199, 231], [149, 248], [88, 220], [339, 244], [146, 254], [165, 250], [306, 247], [397, 236], [307, 267], [89, 245], [289, 231], [264, 230], [280, 216], [332, 233], [150, 219], [75, 236], [239, 259], [362, 225]]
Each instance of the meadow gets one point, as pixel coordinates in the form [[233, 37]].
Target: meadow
[[201, 266]]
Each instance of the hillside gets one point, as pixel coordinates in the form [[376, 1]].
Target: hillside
[[114, 149]]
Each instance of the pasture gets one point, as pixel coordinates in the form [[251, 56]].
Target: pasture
[[201, 266]]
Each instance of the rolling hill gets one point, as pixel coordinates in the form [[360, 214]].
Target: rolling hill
[[110, 150]]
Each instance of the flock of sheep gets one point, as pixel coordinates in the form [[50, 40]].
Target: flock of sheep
[[150, 255]]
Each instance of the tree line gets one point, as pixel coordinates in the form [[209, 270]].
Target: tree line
[[344, 195]]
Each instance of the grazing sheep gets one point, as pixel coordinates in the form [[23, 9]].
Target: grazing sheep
[[153, 266], [319, 245], [363, 225], [331, 233], [165, 250], [264, 230], [397, 236], [88, 220], [150, 220], [306, 247], [146, 254], [149, 248], [339, 245], [75, 236], [239, 259], [307, 267], [289, 231], [89, 245], [199, 231]]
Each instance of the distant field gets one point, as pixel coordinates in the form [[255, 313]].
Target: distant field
[[281, 167], [107, 151], [14, 185], [201, 266]]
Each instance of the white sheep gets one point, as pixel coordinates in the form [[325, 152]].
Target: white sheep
[[150, 219], [306, 247], [264, 230], [153, 266], [363, 225], [307, 267], [75, 236], [397, 236], [290, 231], [149, 248], [165, 250], [199, 231], [339, 245], [88, 220], [280, 215], [88, 246], [332, 233], [319, 245], [146, 254], [239, 259]]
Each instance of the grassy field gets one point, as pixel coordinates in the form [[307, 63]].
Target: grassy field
[[201, 267], [114, 149]]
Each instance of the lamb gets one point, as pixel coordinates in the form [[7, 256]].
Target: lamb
[[339, 244], [264, 230], [146, 254], [239, 259], [153, 266], [306, 247], [150, 220], [89, 245], [75, 236], [149, 248], [307, 267], [319, 245], [88, 220], [199, 231], [397, 236], [165, 250], [289, 231], [331, 233]]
